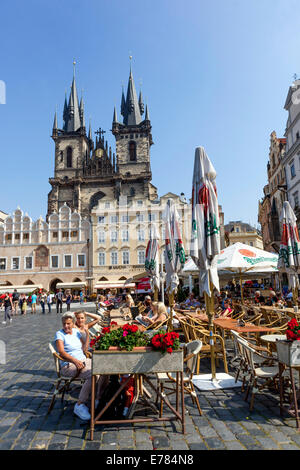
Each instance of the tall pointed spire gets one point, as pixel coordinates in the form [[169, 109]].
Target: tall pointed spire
[[54, 129], [115, 118], [147, 118], [82, 119], [73, 122], [123, 103], [141, 104], [90, 132], [65, 113], [132, 115]]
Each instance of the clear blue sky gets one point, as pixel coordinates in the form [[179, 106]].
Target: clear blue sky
[[214, 73]]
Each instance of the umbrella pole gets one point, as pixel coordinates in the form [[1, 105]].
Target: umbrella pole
[[155, 294], [209, 303], [171, 304], [295, 295], [242, 293]]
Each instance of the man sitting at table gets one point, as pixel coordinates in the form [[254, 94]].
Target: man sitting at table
[[71, 347]]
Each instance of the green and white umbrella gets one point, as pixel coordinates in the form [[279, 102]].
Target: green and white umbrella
[[289, 252], [152, 258], [205, 242], [174, 255]]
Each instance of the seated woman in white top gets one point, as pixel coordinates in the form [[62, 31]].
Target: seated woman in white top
[[71, 348]]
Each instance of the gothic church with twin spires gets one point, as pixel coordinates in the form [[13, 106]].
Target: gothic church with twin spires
[[86, 171]]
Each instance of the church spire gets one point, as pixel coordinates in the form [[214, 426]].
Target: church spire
[[132, 114], [147, 114], [73, 122], [115, 118], [55, 128], [123, 103], [141, 104], [65, 113], [82, 119]]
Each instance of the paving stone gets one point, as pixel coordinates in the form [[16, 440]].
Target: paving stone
[[215, 443], [198, 446], [234, 445], [56, 446], [144, 446], [267, 443], [161, 442], [249, 442], [92, 445]]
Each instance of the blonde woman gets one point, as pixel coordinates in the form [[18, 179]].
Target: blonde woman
[[125, 310], [160, 314], [82, 325]]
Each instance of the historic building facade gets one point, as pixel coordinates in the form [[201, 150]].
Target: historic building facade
[[40, 253], [238, 231], [291, 159], [121, 234], [269, 208]]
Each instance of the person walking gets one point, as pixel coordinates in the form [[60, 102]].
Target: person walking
[[15, 301], [43, 299], [81, 297], [59, 301], [33, 303], [23, 304], [68, 301], [49, 301], [8, 306]]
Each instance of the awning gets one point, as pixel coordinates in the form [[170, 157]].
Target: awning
[[70, 285], [20, 289], [114, 285]]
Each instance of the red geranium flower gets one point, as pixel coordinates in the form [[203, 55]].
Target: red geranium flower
[[105, 330]]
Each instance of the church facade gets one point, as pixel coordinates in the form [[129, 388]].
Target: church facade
[[86, 171]]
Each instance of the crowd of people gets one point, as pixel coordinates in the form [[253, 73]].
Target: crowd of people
[[16, 303]]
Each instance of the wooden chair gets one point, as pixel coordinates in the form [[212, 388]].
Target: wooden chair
[[165, 380], [203, 335], [62, 383]]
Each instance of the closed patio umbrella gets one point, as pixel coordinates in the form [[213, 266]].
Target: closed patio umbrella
[[174, 255], [152, 260], [289, 252], [205, 241]]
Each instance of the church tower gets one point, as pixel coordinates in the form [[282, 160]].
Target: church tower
[[72, 148], [133, 136]]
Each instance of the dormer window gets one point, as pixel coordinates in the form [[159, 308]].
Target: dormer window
[[69, 157], [132, 151]]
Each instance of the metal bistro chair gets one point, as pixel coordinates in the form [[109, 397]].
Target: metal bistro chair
[[267, 371], [167, 381], [62, 383]]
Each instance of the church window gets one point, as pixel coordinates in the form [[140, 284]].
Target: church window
[[61, 155], [132, 192], [69, 157], [132, 151], [131, 136]]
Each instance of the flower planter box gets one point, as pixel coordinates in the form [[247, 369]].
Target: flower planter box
[[288, 352], [139, 361]]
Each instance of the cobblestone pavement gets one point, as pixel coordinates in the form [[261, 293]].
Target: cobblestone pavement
[[26, 383]]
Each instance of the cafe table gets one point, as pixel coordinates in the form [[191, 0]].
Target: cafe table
[[230, 324], [271, 340]]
